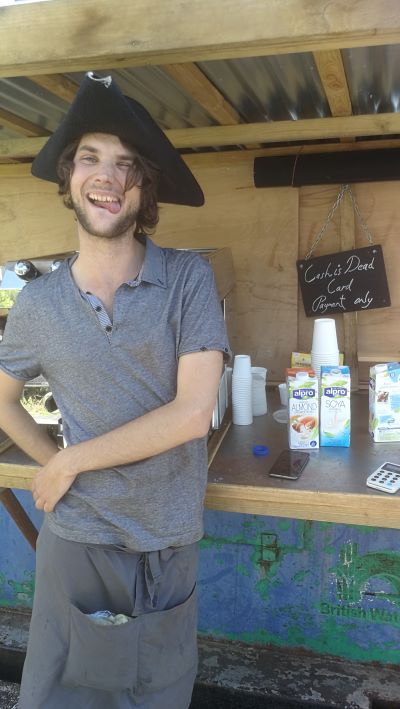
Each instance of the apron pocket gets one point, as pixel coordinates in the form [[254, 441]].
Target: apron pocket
[[101, 656], [167, 646]]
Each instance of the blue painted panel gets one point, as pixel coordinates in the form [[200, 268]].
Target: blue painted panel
[[17, 558], [324, 587]]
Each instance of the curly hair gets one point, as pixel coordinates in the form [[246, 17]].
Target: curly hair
[[143, 173]]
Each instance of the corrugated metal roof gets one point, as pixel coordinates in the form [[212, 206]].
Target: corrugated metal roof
[[25, 99], [270, 88], [373, 77], [275, 88]]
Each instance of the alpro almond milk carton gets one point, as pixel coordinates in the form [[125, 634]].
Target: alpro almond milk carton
[[384, 402], [302, 386], [335, 406]]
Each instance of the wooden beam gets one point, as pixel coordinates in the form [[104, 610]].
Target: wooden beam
[[347, 242], [294, 503], [77, 35], [20, 125], [15, 169], [199, 87], [333, 78], [57, 84], [334, 81], [281, 131], [17, 149], [373, 357], [235, 156]]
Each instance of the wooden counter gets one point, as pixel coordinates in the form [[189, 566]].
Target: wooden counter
[[332, 487]]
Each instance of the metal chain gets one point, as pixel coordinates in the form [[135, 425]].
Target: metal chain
[[340, 195], [360, 217]]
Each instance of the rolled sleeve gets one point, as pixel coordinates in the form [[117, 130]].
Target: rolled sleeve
[[18, 357], [202, 325]]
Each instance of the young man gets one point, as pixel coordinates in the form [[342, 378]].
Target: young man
[[131, 340]]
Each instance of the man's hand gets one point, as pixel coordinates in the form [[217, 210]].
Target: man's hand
[[52, 482]]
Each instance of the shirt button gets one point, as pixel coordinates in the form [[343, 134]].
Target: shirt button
[[98, 308], [108, 328]]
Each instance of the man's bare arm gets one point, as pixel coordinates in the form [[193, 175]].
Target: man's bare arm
[[183, 419], [19, 425]]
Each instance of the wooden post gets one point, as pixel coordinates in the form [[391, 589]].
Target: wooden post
[[17, 512], [348, 241]]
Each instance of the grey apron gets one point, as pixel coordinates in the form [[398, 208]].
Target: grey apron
[[149, 662]]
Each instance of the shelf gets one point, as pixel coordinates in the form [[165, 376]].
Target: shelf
[[366, 357]]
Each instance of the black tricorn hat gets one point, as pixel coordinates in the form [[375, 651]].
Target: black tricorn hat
[[100, 107]]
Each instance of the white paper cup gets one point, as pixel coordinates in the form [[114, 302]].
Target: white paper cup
[[326, 358], [242, 408], [324, 336], [241, 385], [283, 393], [330, 358], [242, 366], [241, 418], [242, 395]]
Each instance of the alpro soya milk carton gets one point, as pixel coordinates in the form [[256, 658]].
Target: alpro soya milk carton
[[302, 386], [384, 402], [335, 413]]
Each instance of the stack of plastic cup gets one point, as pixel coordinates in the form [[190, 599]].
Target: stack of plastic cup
[[281, 415], [283, 395], [242, 400], [324, 348], [259, 395]]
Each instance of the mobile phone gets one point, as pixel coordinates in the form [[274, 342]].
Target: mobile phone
[[289, 464]]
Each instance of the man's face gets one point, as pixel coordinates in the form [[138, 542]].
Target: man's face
[[102, 206]]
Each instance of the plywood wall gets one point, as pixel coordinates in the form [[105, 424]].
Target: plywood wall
[[261, 228], [315, 204], [266, 229], [33, 221], [379, 204], [379, 330]]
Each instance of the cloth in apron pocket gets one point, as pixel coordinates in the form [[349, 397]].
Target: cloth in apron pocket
[[147, 654]]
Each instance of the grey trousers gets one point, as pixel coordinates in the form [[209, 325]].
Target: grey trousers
[[149, 662]]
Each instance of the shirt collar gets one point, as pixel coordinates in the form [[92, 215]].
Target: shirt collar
[[154, 269]]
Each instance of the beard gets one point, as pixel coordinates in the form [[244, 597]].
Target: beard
[[118, 228]]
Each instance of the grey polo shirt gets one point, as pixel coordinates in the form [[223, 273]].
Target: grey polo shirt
[[101, 380]]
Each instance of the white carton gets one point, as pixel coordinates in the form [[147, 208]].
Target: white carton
[[335, 415], [302, 386], [384, 402]]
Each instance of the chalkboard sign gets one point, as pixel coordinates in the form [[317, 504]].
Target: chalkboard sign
[[344, 282]]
